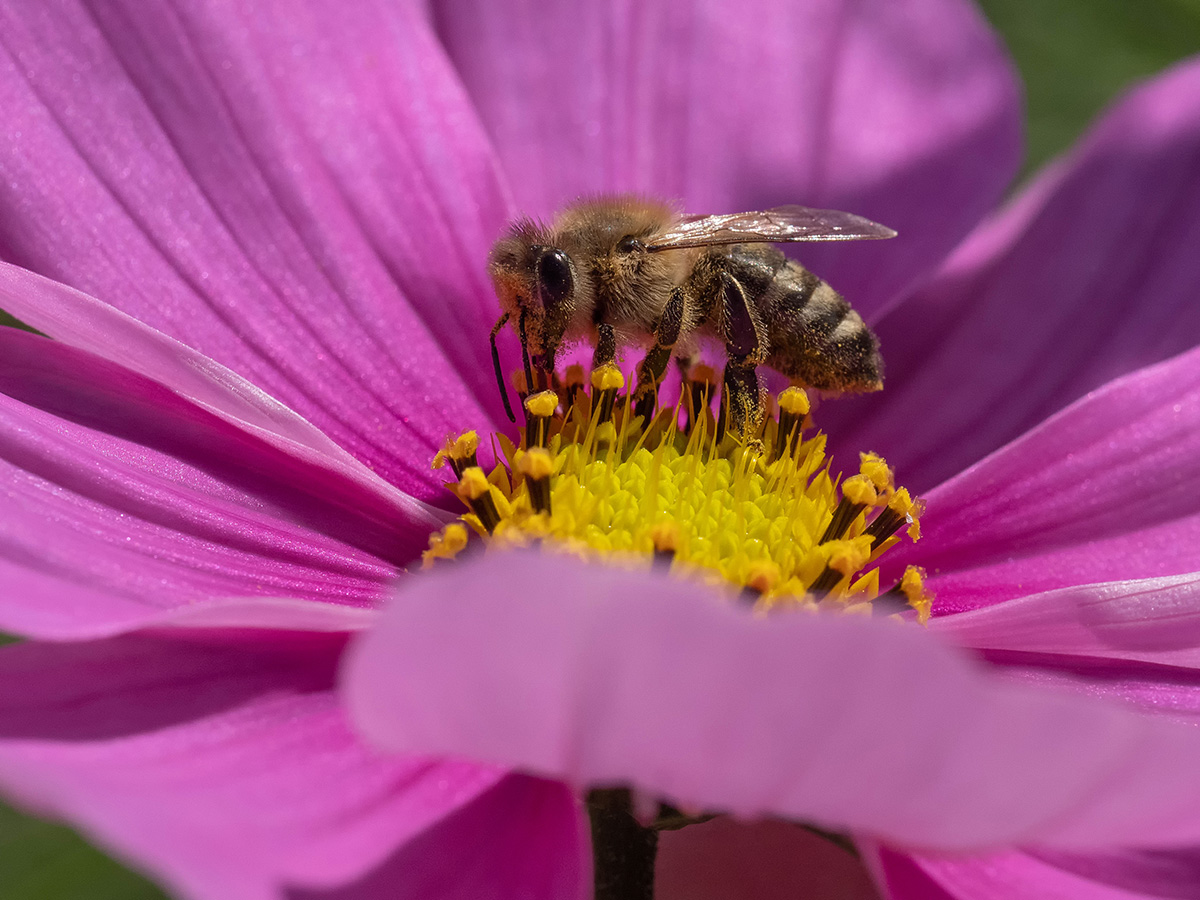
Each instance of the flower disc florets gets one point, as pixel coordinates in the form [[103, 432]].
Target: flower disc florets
[[765, 515]]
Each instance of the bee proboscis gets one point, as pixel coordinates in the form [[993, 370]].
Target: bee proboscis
[[624, 270]]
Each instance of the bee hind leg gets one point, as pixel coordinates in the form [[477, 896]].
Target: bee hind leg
[[652, 368], [742, 406]]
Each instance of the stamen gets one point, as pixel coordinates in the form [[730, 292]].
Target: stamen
[[764, 516], [537, 466], [793, 407], [665, 538], [908, 593], [857, 494], [459, 453], [606, 382], [445, 544], [573, 388], [539, 408], [900, 510], [761, 576], [477, 492]]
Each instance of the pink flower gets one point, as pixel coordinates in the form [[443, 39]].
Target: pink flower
[[305, 194]]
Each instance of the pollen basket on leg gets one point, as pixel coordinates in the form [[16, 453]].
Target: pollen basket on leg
[[764, 514]]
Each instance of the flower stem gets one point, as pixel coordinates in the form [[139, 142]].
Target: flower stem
[[623, 851]]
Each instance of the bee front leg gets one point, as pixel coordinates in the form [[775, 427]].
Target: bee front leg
[[742, 402], [652, 368], [606, 346]]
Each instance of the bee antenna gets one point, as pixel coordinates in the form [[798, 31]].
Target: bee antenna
[[496, 365], [529, 382]]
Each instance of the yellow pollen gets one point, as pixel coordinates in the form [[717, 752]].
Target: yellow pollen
[[536, 463], [794, 401], [445, 544], [859, 490], [766, 515], [608, 378], [474, 484], [542, 404]]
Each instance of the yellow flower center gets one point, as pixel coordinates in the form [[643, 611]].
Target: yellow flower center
[[765, 516]]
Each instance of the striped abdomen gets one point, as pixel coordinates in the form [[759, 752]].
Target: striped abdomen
[[812, 334]]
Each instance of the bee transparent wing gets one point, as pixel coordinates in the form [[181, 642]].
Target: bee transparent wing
[[768, 226]]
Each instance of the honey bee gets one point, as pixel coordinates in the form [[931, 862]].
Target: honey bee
[[622, 270]]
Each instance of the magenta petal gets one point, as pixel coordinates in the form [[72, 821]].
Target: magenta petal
[[525, 838], [133, 500], [598, 675], [1130, 875], [84, 322], [907, 112], [1104, 491], [222, 767], [304, 196], [1089, 275]]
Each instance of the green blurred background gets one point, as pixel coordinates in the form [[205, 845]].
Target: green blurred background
[[1074, 56]]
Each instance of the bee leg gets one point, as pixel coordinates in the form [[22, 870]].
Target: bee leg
[[652, 368], [606, 346], [742, 406]]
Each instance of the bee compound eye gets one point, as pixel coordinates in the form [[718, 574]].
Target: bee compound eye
[[630, 244], [555, 280]]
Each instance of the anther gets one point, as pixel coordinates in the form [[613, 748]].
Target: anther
[[476, 492], [574, 382], [793, 407], [901, 510], [845, 558], [873, 466], [761, 576], [607, 380], [445, 544], [520, 385], [459, 453], [908, 593], [537, 466], [539, 410], [857, 494], [665, 538]]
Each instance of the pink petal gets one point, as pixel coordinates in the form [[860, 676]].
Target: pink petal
[[122, 499], [1130, 875], [597, 675], [525, 838], [222, 767], [304, 196], [1103, 491], [767, 860], [1151, 619], [84, 322], [907, 112], [1089, 275]]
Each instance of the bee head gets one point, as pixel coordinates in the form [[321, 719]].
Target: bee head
[[536, 285]]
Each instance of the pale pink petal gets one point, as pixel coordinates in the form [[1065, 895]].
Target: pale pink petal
[[1089, 275], [907, 112], [221, 766], [122, 499], [1131, 875], [767, 860], [84, 322], [598, 675], [1151, 620], [302, 194], [1103, 491]]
